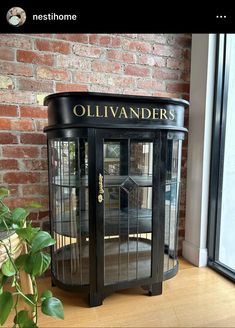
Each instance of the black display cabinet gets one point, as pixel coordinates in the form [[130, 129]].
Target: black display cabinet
[[114, 181]]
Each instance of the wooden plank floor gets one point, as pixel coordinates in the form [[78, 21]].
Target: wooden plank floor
[[196, 297]]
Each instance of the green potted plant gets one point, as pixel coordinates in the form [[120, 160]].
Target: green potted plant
[[22, 260]]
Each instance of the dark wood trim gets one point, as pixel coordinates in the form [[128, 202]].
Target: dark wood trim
[[117, 97], [158, 204], [103, 125], [99, 169], [92, 181]]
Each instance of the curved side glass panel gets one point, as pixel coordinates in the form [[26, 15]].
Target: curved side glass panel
[[68, 172], [174, 148]]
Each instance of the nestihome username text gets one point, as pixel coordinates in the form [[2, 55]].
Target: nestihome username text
[[55, 17]]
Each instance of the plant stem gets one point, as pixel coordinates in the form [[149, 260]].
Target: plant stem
[[23, 295], [16, 306], [35, 292]]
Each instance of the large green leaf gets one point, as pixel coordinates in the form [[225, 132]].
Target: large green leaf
[[3, 210], [53, 307], [23, 320], [28, 264], [3, 279], [5, 218], [42, 239], [6, 304], [19, 216], [46, 294], [4, 192], [20, 261], [27, 233], [37, 263], [41, 263], [3, 225], [8, 268]]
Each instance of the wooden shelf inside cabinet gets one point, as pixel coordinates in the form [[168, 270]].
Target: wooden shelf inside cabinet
[[116, 261], [116, 222], [67, 261], [109, 180]]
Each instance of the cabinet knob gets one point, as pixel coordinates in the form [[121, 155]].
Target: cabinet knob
[[100, 198]]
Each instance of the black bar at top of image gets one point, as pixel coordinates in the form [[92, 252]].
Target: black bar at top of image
[[118, 16]]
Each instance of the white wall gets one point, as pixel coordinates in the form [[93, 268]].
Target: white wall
[[199, 147]]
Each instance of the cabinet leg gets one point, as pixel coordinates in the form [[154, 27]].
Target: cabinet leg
[[155, 289], [95, 299], [52, 283]]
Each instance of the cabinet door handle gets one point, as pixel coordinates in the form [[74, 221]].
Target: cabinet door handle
[[100, 198], [101, 188]]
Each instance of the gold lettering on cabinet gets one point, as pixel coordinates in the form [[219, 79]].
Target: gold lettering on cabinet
[[124, 112]]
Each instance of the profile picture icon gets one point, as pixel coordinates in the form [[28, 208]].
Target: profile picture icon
[[16, 16]]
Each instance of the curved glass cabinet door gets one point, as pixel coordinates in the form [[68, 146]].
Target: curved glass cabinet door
[[130, 211], [128, 171], [68, 167]]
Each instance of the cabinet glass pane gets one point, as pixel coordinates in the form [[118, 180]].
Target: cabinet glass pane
[[69, 209], [171, 202], [227, 221], [127, 210]]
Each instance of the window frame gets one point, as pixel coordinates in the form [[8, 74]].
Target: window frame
[[217, 154]]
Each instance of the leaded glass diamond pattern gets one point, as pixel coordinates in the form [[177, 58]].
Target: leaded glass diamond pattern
[[129, 184]]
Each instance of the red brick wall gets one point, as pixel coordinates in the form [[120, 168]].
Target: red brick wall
[[32, 66]]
